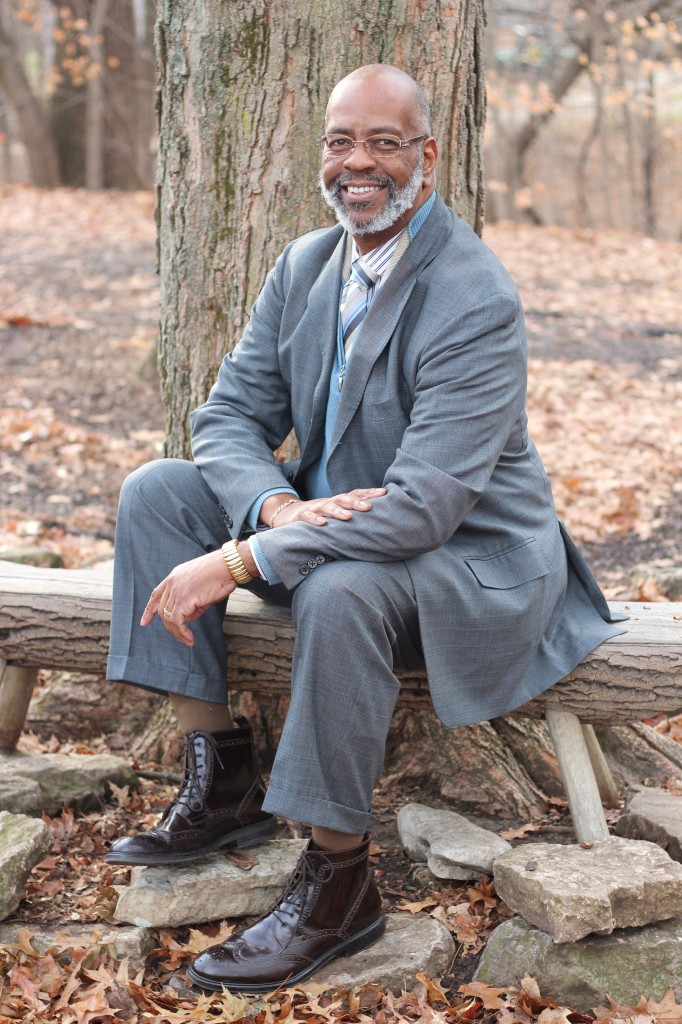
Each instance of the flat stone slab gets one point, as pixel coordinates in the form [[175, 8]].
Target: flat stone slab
[[410, 945], [451, 845], [37, 783], [625, 965], [210, 889], [23, 844], [570, 891], [123, 941], [656, 815]]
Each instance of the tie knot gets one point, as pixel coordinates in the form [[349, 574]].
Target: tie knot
[[363, 273]]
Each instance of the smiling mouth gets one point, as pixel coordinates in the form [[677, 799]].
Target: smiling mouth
[[363, 190]]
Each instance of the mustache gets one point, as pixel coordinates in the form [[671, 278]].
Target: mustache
[[375, 179]]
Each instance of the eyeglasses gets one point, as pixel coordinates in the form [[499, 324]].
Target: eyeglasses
[[376, 145]]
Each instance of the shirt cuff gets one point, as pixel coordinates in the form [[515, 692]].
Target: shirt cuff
[[262, 564], [254, 511]]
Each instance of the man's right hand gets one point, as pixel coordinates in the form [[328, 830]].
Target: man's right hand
[[318, 511]]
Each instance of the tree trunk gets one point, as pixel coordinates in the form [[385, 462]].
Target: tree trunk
[[128, 82], [649, 158], [112, 71], [243, 88], [94, 124], [35, 133]]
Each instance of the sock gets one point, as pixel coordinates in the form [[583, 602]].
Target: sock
[[200, 714], [333, 841]]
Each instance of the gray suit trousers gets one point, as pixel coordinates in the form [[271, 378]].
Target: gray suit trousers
[[352, 619]]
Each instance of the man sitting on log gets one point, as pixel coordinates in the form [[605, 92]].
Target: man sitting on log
[[416, 528]]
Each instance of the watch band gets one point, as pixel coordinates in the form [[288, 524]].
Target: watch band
[[234, 563]]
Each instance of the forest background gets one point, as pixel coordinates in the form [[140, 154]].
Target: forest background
[[583, 154]]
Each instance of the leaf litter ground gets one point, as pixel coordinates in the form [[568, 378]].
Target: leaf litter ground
[[78, 314]]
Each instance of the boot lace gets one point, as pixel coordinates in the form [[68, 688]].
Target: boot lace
[[191, 795], [312, 869]]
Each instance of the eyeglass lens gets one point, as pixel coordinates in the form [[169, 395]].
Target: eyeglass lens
[[376, 145]]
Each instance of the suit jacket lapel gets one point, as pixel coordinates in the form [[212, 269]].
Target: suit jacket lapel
[[319, 324], [385, 311]]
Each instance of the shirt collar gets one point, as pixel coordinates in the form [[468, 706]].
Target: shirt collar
[[378, 259]]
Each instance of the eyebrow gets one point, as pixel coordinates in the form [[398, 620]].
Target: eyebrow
[[382, 130]]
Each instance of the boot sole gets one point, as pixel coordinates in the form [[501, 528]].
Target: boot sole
[[250, 835], [367, 937]]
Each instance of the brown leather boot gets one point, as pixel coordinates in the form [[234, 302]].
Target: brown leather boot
[[219, 804], [330, 907]]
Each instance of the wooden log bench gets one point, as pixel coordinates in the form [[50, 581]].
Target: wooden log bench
[[59, 619]]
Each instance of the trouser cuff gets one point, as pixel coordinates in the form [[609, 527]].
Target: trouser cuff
[[315, 811], [166, 680]]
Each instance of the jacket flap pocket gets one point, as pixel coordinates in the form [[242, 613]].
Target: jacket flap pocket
[[510, 568]]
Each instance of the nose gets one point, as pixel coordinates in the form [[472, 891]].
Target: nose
[[359, 159]]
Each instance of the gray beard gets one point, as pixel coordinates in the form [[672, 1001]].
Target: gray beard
[[398, 201]]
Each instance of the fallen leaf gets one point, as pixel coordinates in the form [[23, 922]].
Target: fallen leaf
[[488, 994], [417, 906]]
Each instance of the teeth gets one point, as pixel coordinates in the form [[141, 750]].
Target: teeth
[[359, 189]]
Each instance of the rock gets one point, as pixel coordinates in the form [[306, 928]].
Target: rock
[[134, 943], [668, 578], [411, 944], [624, 965], [452, 846], [33, 783], [79, 706], [23, 844], [570, 891], [208, 890], [42, 557], [655, 815]]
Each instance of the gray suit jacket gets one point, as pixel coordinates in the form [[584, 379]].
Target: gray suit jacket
[[433, 408]]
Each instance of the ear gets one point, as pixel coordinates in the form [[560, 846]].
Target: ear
[[430, 157]]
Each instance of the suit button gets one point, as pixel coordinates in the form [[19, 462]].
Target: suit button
[[227, 519]]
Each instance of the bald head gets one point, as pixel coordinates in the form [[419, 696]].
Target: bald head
[[399, 82]]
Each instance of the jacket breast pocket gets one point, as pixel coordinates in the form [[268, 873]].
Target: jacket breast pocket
[[511, 568]]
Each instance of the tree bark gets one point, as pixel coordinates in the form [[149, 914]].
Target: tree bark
[[243, 88]]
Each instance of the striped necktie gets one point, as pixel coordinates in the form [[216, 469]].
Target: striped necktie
[[354, 300]]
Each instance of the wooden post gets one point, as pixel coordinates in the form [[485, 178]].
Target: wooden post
[[577, 775], [608, 790], [16, 687]]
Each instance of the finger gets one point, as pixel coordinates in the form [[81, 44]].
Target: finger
[[196, 613], [176, 623], [184, 634], [335, 509], [349, 501], [309, 515], [368, 492], [153, 604]]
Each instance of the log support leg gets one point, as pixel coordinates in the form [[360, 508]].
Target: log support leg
[[578, 776], [16, 687], [608, 790]]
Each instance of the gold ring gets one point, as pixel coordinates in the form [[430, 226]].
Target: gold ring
[[167, 613]]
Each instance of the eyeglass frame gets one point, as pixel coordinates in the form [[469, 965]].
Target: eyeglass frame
[[403, 144]]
